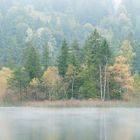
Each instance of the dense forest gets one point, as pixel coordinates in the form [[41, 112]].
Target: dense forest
[[67, 49]]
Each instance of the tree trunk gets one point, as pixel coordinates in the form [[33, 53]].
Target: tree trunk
[[65, 92], [20, 91], [108, 88], [101, 86], [36, 97], [46, 93], [73, 80], [105, 77], [26, 91], [50, 95]]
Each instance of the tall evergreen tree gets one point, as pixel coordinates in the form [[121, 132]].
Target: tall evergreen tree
[[87, 76], [45, 57], [73, 70], [63, 59], [100, 54], [32, 62], [19, 81], [74, 54]]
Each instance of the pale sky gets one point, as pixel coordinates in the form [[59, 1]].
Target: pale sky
[[117, 2]]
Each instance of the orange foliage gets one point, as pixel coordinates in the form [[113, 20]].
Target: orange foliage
[[120, 73], [5, 73], [51, 76], [52, 80], [35, 82]]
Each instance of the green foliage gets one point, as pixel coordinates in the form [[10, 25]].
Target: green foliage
[[75, 53], [71, 78], [98, 47], [46, 58], [19, 81], [32, 62], [137, 86], [88, 86], [83, 64], [63, 59], [127, 51], [97, 56], [18, 77]]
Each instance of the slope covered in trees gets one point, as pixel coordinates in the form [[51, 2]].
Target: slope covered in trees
[[90, 72], [69, 49], [50, 21]]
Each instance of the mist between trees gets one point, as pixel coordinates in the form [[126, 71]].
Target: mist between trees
[[87, 71]]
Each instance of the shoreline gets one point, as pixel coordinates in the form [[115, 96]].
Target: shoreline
[[73, 103], [80, 103]]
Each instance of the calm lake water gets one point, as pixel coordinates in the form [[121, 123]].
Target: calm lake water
[[69, 124]]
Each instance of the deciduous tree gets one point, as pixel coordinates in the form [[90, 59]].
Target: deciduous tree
[[121, 81], [52, 80], [5, 74]]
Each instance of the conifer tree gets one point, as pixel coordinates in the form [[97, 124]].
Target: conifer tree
[[63, 59], [98, 55], [19, 81], [45, 58], [32, 62], [74, 54]]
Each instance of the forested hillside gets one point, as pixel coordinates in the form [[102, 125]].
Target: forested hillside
[[50, 21], [70, 48]]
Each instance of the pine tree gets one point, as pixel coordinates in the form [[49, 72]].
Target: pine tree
[[73, 69], [19, 81], [45, 59], [88, 85], [98, 53], [74, 54], [32, 62], [63, 59]]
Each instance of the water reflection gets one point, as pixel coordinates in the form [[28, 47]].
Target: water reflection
[[69, 124], [4, 128]]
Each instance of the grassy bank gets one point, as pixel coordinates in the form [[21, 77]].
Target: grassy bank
[[81, 103]]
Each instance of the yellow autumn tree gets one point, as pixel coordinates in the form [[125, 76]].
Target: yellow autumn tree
[[35, 82], [126, 50], [5, 74], [52, 80], [121, 81]]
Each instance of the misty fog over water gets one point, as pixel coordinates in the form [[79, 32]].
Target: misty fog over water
[[69, 124]]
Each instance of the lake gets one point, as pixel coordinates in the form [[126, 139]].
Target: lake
[[69, 124]]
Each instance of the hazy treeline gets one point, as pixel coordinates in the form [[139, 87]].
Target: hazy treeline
[[51, 21], [87, 72], [69, 49]]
